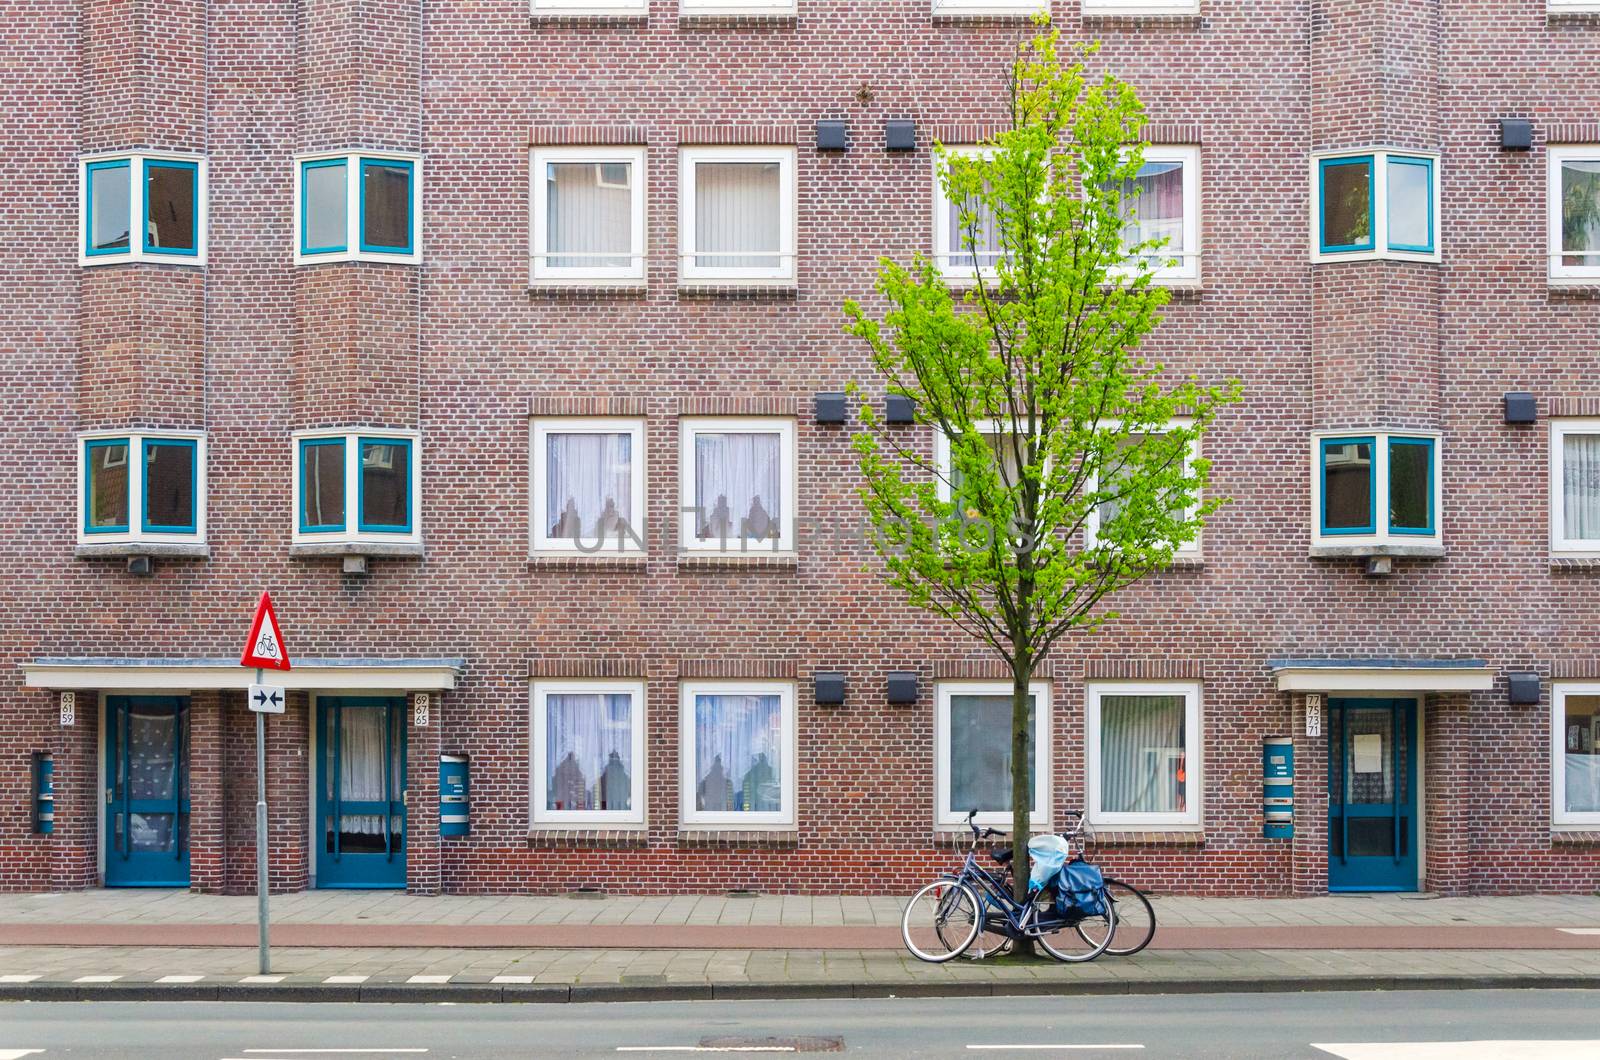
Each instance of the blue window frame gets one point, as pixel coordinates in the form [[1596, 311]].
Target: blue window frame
[[324, 193], [107, 216], [105, 486], [384, 486], [171, 198], [1348, 467], [1410, 187], [169, 506], [1411, 486], [323, 503], [1342, 185], [386, 205]]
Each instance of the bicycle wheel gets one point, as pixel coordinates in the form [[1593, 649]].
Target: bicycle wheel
[[940, 921], [1136, 919], [1085, 939]]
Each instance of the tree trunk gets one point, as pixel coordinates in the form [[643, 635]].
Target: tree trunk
[[1021, 786]]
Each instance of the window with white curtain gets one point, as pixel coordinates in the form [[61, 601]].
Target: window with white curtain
[[737, 742], [1574, 209], [737, 7], [1105, 513], [579, 8], [737, 214], [950, 480], [1575, 486], [972, 752], [588, 752], [588, 493], [1162, 201], [1144, 754], [588, 215], [966, 241], [1141, 7], [738, 485], [988, 8], [1575, 753]]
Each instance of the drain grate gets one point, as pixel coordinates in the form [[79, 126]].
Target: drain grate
[[801, 1044]]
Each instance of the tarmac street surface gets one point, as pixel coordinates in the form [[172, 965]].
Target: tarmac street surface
[[1394, 1025]]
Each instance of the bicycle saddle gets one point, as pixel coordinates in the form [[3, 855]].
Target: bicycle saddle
[[1001, 855]]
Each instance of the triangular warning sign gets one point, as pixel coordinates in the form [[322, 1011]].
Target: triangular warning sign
[[264, 647]]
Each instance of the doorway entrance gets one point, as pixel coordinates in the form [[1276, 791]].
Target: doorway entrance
[[147, 791], [360, 830], [1372, 795]]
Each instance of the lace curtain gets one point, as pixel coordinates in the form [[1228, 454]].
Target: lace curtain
[[1580, 483], [362, 763], [589, 485], [738, 753], [737, 487], [589, 752], [1142, 754]]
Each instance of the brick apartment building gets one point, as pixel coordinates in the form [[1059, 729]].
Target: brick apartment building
[[386, 307]]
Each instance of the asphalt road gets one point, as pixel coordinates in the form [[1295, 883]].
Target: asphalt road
[[1526, 1025]]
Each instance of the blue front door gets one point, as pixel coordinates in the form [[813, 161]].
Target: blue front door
[[147, 791], [361, 782], [1372, 795]]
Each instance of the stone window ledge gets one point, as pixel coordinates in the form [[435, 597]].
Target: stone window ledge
[[1387, 548], [690, 836], [573, 837], [698, 561], [596, 562], [397, 549], [122, 549]]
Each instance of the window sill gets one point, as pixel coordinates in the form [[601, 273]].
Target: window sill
[[1135, 19], [1574, 562], [1581, 289], [1125, 836], [120, 549], [1575, 835], [556, 19], [783, 561], [959, 836], [728, 837], [591, 561], [756, 289], [977, 16], [572, 837], [588, 289], [396, 549], [738, 20], [1377, 548], [1580, 15]]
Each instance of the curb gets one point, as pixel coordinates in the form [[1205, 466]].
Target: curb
[[586, 993]]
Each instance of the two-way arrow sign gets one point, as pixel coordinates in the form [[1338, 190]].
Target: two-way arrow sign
[[266, 699]]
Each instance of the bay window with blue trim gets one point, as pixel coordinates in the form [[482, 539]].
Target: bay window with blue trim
[[357, 206], [1375, 204], [1376, 488], [137, 487], [142, 207], [353, 486]]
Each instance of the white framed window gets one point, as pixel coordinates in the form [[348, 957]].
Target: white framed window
[[736, 215], [353, 485], [972, 753], [737, 485], [1141, 7], [588, 220], [737, 7], [142, 207], [1375, 487], [1575, 753], [1575, 486], [588, 485], [1104, 513], [1574, 210], [962, 253], [1163, 202], [588, 753], [579, 8], [737, 741], [1375, 203], [1562, 7], [1144, 754], [142, 486], [987, 8], [358, 206], [998, 438]]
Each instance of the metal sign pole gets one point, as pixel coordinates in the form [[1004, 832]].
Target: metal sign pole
[[261, 832]]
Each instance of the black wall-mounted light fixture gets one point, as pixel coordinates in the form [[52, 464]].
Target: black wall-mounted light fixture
[[902, 687], [899, 134], [1521, 407], [899, 409], [830, 688], [1516, 134], [830, 407], [833, 135], [1523, 688]]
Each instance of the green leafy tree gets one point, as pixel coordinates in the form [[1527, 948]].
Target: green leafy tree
[[1033, 376]]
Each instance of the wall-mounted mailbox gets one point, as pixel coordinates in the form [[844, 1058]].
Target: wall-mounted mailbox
[[1277, 787], [454, 809], [902, 687], [44, 792]]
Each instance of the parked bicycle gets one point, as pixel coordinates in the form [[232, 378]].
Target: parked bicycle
[[943, 919]]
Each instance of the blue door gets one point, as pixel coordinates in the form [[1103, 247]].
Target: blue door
[[147, 791], [1372, 795], [361, 783]]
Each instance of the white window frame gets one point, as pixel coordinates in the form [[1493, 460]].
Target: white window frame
[[352, 210], [1382, 534], [542, 274], [1141, 7], [689, 427], [540, 515], [1191, 550], [944, 245], [987, 8], [1187, 271], [1560, 817], [1380, 206], [135, 533], [954, 818], [1194, 744], [580, 8], [1559, 430], [352, 534], [1560, 274], [784, 818], [1562, 7], [137, 161], [538, 707], [688, 271], [737, 7]]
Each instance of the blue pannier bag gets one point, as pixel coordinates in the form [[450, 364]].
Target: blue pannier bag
[[1080, 890]]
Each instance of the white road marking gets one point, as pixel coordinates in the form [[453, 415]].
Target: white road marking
[[180, 978], [1580, 931], [346, 980], [429, 979], [1074, 1045], [18, 978], [1510, 1049], [512, 979], [262, 978], [97, 978]]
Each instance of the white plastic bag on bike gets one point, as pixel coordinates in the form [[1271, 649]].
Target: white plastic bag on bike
[[1046, 855]]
